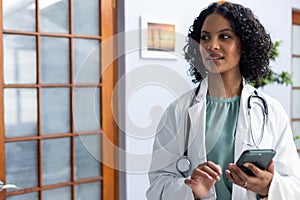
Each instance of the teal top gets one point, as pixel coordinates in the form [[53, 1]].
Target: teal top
[[221, 120]]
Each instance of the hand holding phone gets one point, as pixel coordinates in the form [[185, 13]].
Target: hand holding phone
[[259, 157]]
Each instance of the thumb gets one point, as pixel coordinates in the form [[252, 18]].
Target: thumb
[[270, 167]]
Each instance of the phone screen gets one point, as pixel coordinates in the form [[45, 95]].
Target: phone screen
[[259, 157]]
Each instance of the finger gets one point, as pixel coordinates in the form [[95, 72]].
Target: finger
[[235, 172], [189, 182], [239, 182], [256, 171], [211, 168], [212, 172], [270, 167], [205, 172], [215, 167], [243, 176], [229, 176]]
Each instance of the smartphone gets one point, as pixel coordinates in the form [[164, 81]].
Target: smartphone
[[259, 157]]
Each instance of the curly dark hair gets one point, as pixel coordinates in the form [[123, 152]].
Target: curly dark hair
[[256, 43]]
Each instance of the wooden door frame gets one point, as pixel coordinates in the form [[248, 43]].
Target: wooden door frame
[[108, 29], [110, 174], [295, 21], [2, 129], [121, 97]]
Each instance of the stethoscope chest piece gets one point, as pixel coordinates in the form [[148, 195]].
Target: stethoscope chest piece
[[183, 164]]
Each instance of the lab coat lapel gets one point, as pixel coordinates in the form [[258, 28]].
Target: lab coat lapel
[[242, 124], [240, 138], [197, 114], [197, 136]]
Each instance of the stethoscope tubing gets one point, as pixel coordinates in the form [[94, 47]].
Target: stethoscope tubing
[[185, 159]]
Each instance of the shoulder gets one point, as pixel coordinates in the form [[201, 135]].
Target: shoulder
[[182, 102], [179, 107], [269, 99], [272, 102], [274, 106], [175, 113]]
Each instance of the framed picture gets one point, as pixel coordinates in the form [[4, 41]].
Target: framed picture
[[157, 38]]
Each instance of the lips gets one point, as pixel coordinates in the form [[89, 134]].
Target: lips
[[215, 57]]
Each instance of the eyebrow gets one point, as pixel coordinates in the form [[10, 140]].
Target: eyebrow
[[223, 30]]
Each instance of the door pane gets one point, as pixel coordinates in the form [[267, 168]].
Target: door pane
[[296, 105], [296, 39], [296, 128], [296, 132], [57, 194], [19, 59], [56, 161], [90, 191], [86, 61], [86, 11], [54, 16], [42, 56], [20, 112], [86, 109], [296, 71], [55, 60], [31, 196], [19, 15], [22, 164], [55, 110], [87, 154]]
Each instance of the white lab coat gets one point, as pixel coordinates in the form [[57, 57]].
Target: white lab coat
[[166, 183]]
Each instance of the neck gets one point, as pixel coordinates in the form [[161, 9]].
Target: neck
[[225, 87]]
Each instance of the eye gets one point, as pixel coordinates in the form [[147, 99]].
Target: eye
[[225, 36], [204, 37]]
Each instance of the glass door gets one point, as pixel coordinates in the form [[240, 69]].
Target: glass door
[[52, 98], [296, 78]]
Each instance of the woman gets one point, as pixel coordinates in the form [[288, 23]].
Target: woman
[[227, 48]]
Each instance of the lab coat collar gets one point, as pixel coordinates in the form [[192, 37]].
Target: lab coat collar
[[202, 92], [246, 91], [197, 114]]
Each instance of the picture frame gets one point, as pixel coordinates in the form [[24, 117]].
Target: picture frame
[[158, 38]]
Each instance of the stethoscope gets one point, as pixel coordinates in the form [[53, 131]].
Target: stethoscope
[[183, 164]]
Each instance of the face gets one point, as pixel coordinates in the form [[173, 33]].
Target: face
[[219, 46]]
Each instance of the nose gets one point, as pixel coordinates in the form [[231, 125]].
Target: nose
[[213, 44]]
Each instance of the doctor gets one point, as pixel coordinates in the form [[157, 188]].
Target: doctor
[[227, 48]]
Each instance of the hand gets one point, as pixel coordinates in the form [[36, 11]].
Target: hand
[[260, 183], [203, 178]]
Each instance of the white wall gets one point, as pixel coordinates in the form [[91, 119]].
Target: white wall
[[296, 4], [151, 84]]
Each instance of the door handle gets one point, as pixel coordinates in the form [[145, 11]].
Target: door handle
[[7, 186]]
